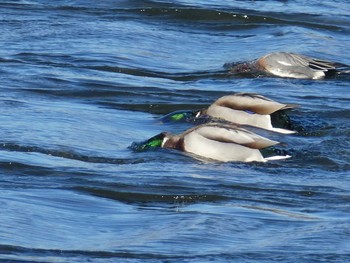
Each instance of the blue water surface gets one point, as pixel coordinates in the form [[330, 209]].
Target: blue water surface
[[81, 80]]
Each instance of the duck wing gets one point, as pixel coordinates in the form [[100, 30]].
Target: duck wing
[[297, 60], [252, 102], [317, 64], [233, 134]]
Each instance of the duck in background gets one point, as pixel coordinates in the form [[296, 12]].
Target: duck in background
[[243, 109], [217, 141], [289, 65]]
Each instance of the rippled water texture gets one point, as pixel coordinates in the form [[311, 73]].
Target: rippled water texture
[[81, 80]]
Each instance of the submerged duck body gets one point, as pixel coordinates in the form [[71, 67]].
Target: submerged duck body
[[220, 142], [289, 65]]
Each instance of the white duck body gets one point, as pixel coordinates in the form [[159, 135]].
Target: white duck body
[[290, 65], [222, 142], [293, 65], [248, 109]]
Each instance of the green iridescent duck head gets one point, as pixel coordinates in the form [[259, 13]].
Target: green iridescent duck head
[[180, 115], [151, 143], [192, 116]]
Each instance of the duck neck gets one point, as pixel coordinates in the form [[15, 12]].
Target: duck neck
[[171, 142]]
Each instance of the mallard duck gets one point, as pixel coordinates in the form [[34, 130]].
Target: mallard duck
[[290, 65], [244, 109], [217, 141]]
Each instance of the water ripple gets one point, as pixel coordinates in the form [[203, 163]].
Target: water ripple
[[80, 81]]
